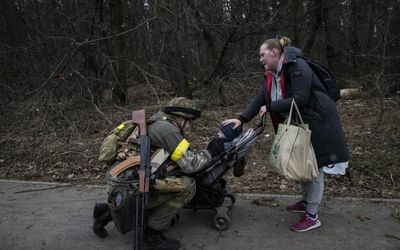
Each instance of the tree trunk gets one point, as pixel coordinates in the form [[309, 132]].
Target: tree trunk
[[315, 12], [175, 57], [354, 36], [119, 92], [332, 33], [293, 10]]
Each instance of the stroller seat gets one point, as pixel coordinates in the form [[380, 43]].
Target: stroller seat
[[211, 190]]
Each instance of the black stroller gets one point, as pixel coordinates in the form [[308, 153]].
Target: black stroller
[[210, 184]]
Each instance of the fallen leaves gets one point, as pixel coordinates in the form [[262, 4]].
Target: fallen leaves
[[68, 153]]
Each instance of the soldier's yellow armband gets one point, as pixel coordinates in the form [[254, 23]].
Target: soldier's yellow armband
[[180, 150], [121, 126]]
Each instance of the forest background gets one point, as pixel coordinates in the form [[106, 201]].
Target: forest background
[[70, 71]]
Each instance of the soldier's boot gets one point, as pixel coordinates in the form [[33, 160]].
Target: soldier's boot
[[153, 239], [102, 216]]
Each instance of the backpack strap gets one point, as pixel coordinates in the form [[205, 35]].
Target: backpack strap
[[158, 158]]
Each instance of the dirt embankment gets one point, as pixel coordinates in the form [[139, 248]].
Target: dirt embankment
[[62, 145]]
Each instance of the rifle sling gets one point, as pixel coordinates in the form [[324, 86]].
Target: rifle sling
[[129, 162]]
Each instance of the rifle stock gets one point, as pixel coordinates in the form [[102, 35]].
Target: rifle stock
[[139, 118]]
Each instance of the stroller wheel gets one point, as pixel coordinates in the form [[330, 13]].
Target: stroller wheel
[[221, 221]]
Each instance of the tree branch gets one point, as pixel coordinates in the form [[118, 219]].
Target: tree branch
[[91, 94]]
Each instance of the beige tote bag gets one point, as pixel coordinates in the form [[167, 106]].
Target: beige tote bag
[[292, 154]]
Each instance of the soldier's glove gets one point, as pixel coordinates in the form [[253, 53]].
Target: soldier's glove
[[216, 146]]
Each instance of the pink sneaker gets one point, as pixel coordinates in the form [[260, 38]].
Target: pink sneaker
[[306, 223], [298, 207]]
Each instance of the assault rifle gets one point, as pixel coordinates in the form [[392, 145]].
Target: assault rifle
[[139, 118]]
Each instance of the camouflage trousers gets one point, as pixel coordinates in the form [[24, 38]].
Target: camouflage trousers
[[164, 206]]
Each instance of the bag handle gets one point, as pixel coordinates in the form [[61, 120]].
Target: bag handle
[[291, 111]]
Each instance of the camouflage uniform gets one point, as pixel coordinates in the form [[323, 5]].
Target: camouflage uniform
[[171, 191], [165, 205]]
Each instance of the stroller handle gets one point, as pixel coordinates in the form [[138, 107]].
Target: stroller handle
[[257, 131], [261, 125]]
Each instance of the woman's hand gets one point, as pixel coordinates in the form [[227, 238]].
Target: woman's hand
[[237, 122], [263, 110]]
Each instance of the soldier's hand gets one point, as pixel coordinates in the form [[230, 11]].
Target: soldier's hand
[[216, 146]]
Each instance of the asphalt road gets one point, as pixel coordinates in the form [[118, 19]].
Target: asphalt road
[[51, 216]]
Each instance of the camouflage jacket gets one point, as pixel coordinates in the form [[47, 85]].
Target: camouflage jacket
[[164, 134]]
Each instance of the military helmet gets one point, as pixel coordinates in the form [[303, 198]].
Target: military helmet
[[184, 107]]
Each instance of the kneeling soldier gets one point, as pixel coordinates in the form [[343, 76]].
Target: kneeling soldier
[[172, 188]]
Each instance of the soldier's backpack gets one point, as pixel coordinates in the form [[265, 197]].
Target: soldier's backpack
[[122, 188], [326, 77], [109, 147]]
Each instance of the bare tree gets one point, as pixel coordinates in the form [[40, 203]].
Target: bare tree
[[175, 48]]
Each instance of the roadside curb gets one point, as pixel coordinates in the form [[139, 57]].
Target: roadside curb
[[241, 195], [290, 196]]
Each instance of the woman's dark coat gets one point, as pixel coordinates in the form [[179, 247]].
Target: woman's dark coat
[[316, 107]]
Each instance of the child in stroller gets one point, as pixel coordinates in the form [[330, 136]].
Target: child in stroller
[[227, 137], [232, 146]]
